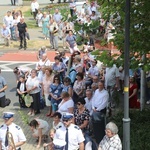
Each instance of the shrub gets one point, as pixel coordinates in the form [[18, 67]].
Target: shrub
[[139, 128]]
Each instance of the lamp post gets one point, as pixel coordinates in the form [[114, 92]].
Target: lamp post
[[126, 119]]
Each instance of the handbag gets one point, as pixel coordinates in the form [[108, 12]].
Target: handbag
[[28, 100], [97, 116]]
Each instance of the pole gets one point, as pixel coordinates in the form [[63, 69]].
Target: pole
[[143, 85], [69, 65], [126, 119]]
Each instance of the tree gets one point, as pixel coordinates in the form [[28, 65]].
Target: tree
[[114, 11]]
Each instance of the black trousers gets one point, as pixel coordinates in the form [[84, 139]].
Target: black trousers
[[36, 102], [13, 2], [22, 37], [2, 101], [35, 13], [21, 102]]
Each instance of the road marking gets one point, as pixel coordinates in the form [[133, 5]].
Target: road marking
[[23, 64]]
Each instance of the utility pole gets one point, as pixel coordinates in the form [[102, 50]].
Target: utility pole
[[126, 119], [143, 84]]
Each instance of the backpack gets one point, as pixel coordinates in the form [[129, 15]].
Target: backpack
[[72, 75]]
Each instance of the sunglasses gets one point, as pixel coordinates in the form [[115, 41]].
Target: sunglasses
[[65, 120], [78, 103]]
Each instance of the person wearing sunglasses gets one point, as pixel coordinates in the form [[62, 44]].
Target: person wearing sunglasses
[[11, 129], [55, 93], [70, 133], [81, 115]]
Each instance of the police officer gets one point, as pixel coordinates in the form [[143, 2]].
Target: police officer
[[11, 135], [70, 133]]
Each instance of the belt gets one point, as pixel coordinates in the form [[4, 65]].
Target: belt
[[102, 111]]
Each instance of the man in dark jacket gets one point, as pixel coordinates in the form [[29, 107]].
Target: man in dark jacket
[[22, 28]]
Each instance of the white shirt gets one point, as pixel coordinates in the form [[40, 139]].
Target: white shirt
[[32, 82], [94, 71], [43, 63], [88, 105], [100, 99], [111, 75], [59, 125], [74, 133], [64, 106], [16, 132], [8, 21], [34, 5]]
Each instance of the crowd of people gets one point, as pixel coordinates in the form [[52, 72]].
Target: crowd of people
[[55, 27], [77, 90]]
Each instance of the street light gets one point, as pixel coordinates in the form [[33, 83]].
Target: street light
[[126, 119]]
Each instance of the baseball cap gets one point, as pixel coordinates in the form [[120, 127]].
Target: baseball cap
[[8, 115]]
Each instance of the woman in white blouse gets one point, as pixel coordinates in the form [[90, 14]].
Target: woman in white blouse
[[33, 88], [67, 104]]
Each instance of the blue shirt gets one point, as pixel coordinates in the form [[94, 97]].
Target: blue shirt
[[5, 32], [2, 84]]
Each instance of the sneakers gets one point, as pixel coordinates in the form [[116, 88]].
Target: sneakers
[[148, 102]]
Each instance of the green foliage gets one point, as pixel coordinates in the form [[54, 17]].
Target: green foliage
[[104, 57], [114, 10], [139, 129], [103, 42], [31, 24], [24, 117], [64, 10]]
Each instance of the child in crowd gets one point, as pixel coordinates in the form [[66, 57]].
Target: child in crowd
[[57, 120], [51, 134]]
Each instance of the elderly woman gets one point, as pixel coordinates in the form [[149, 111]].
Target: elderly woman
[[55, 93], [79, 87], [59, 67], [40, 129], [67, 86], [67, 104], [81, 115], [33, 88], [78, 66], [111, 140], [47, 81]]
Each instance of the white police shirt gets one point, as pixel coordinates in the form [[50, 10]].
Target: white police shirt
[[16, 131], [75, 136]]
